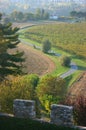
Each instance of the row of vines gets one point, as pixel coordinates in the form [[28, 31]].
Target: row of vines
[[69, 37]]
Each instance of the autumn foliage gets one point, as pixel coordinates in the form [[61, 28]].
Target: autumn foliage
[[79, 104]]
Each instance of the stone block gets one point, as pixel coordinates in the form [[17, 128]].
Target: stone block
[[61, 114], [24, 108]]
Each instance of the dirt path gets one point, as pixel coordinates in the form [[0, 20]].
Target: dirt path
[[36, 61]]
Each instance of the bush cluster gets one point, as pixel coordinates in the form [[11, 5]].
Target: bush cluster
[[45, 91], [79, 104]]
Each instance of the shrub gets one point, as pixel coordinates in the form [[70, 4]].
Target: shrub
[[79, 104], [65, 60], [80, 110]]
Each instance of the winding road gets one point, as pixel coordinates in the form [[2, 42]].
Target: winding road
[[36, 62], [73, 66], [71, 71]]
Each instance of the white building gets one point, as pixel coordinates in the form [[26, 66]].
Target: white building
[[53, 17]]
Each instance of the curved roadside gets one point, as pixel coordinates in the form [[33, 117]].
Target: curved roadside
[[73, 68], [36, 61]]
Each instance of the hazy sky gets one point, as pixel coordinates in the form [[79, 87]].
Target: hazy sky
[[39, 0]]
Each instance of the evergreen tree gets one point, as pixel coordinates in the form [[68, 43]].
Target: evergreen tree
[[10, 63], [2, 40]]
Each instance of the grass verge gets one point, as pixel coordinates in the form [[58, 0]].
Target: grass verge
[[59, 69]]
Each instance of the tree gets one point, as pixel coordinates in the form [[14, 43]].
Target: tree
[[20, 87], [3, 42], [46, 45], [78, 14], [73, 13], [65, 60], [50, 90], [6, 20], [28, 16], [10, 63], [17, 16], [46, 15], [38, 14], [79, 105]]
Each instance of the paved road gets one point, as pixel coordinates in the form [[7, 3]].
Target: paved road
[[71, 71], [23, 41], [73, 67]]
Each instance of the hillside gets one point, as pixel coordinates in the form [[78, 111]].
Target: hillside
[[68, 37], [79, 87], [33, 63]]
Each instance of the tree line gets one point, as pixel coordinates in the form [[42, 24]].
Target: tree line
[[78, 14], [18, 16]]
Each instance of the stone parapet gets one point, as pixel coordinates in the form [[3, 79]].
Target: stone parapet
[[62, 115], [24, 108]]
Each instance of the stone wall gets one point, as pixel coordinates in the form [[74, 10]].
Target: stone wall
[[24, 108], [62, 115]]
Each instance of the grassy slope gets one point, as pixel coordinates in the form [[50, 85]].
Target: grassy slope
[[79, 87], [59, 69], [33, 63]]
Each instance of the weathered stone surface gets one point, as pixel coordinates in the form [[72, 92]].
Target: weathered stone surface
[[62, 115], [24, 108]]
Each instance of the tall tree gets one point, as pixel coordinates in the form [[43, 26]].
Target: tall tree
[[46, 45], [73, 13], [3, 42], [50, 90], [38, 14], [10, 63]]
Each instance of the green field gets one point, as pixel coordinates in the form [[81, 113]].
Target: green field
[[59, 69], [67, 39]]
